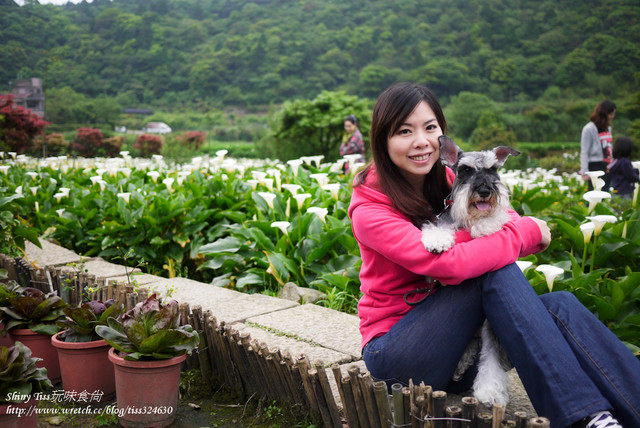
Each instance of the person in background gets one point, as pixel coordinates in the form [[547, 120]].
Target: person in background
[[623, 175], [576, 371], [596, 142], [353, 144]]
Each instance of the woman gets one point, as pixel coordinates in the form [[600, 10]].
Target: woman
[[354, 144], [558, 347], [596, 142]]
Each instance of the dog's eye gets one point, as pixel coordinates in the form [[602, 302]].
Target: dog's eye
[[493, 169], [464, 170]]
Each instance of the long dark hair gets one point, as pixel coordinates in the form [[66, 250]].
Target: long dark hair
[[600, 115], [392, 108]]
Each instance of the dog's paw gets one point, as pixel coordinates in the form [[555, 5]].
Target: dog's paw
[[437, 240]]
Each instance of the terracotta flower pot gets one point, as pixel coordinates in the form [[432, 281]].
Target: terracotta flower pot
[[9, 415], [85, 366], [5, 340], [146, 391], [41, 347]]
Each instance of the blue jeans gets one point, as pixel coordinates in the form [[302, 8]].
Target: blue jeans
[[569, 362]]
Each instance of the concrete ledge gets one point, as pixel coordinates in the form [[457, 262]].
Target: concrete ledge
[[326, 327], [320, 333], [49, 255]]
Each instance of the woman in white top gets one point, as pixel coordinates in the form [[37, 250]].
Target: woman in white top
[[596, 143]]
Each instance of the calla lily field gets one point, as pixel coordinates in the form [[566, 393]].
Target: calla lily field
[[254, 225]]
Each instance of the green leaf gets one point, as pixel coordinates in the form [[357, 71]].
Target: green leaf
[[230, 244]]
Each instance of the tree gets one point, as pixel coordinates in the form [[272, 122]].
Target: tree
[[465, 109], [87, 142], [315, 127], [18, 125]]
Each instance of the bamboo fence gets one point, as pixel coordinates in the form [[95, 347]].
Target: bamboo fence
[[249, 367]]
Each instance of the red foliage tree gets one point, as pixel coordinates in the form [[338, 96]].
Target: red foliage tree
[[87, 142], [192, 139], [148, 144], [18, 125]]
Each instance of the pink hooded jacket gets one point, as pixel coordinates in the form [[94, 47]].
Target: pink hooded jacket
[[395, 261]]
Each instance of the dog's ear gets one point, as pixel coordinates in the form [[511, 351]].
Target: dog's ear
[[503, 152], [449, 151]]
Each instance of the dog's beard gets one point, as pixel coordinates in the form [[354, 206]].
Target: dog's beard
[[480, 216]]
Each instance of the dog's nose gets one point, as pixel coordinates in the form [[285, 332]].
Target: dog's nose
[[484, 191]]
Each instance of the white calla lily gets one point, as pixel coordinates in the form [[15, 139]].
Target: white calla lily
[[268, 198], [168, 182], [154, 175], [125, 196], [600, 220], [320, 212], [523, 264], [594, 197], [334, 188], [321, 178], [300, 198], [293, 188], [295, 164], [593, 176], [587, 230], [282, 225], [254, 183], [550, 273]]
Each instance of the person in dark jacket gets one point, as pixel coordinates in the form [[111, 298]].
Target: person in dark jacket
[[623, 175]]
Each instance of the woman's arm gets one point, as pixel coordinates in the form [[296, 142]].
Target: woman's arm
[[588, 138], [385, 231]]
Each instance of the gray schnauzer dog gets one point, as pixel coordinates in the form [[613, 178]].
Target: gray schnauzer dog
[[479, 202]]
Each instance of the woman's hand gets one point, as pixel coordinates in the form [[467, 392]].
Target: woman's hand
[[544, 231]]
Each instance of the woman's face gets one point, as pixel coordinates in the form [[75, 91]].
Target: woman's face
[[349, 126], [611, 115], [414, 148]]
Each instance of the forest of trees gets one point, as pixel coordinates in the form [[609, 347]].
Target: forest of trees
[[549, 59], [256, 52]]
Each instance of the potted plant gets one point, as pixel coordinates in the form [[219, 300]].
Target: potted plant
[[7, 290], [31, 319], [83, 355], [149, 345], [20, 379]]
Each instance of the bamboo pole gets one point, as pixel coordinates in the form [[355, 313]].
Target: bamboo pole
[[287, 369], [328, 394], [521, 419], [454, 413], [539, 422], [257, 384], [485, 420], [350, 403], [322, 403], [469, 411], [398, 405], [297, 377], [366, 387], [303, 367], [270, 389], [406, 404], [439, 409], [382, 403], [361, 407], [498, 414], [337, 375]]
